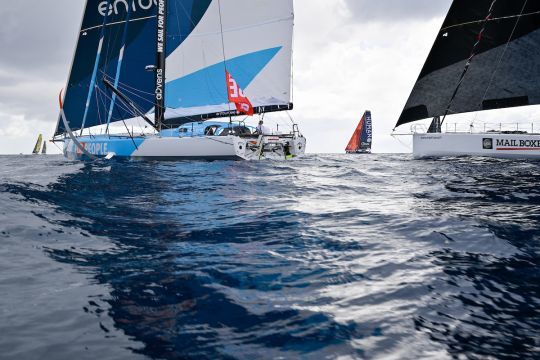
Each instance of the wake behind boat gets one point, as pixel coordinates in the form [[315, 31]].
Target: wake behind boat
[[485, 57], [165, 69]]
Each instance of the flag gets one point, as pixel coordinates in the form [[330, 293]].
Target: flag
[[236, 96]]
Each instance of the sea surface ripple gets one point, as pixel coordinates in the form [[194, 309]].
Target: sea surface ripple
[[326, 257]]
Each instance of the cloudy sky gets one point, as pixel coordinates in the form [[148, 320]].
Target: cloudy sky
[[350, 55]]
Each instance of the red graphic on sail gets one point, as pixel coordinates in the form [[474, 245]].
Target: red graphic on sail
[[354, 143], [236, 96]]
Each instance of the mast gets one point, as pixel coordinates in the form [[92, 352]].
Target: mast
[[481, 60], [160, 63]]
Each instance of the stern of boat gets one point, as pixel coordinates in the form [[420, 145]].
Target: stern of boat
[[270, 147]]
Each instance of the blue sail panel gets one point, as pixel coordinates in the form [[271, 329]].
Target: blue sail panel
[[107, 20], [207, 86], [122, 24], [182, 18]]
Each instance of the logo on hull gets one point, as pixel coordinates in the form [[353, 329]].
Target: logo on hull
[[518, 144], [487, 143], [98, 149]]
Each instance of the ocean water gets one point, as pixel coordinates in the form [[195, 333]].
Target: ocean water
[[327, 257]]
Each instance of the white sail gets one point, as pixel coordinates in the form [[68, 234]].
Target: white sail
[[256, 44]]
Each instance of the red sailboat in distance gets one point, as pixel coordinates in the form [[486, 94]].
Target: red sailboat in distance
[[362, 138]]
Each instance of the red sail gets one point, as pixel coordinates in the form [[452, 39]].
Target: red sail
[[354, 144], [236, 96]]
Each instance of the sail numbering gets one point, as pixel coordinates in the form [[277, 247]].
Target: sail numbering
[[151, 79]]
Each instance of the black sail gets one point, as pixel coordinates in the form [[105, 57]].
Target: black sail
[[504, 70]]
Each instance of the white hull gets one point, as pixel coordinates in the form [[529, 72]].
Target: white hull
[[189, 148], [499, 145]]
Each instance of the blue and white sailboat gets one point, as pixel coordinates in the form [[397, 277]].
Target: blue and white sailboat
[[163, 71]]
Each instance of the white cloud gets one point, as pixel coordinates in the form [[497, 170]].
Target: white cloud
[[18, 133], [394, 11], [344, 68]]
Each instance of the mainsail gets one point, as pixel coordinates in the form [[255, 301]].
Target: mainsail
[[485, 57], [252, 40], [362, 137], [37, 147], [114, 44]]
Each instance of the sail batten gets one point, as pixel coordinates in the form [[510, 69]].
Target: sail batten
[[502, 71], [122, 22]]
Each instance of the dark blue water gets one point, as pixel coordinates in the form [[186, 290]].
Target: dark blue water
[[326, 257]]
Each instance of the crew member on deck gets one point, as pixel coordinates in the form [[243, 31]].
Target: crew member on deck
[[263, 130]]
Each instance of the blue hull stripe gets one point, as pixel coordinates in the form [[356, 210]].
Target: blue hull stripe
[[102, 145]]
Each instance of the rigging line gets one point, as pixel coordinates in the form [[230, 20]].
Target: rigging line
[[177, 22], [490, 20], [119, 66], [188, 14], [100, 101], [116, 23], [128, 102], [98, 98], [128, 86], [104, 99], [216, 140], [132, 90], [127, 90], [290, 117], [112, 37], [137, 95], [501, 58], [245, 27], [121, 105], [58, 147], [134, 105], [95, 70], [469, 60], [92, 86], [119, 118], [224, 59], [396, 137], [131, 136], [111, 41], [104, 93], [126, 109]]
